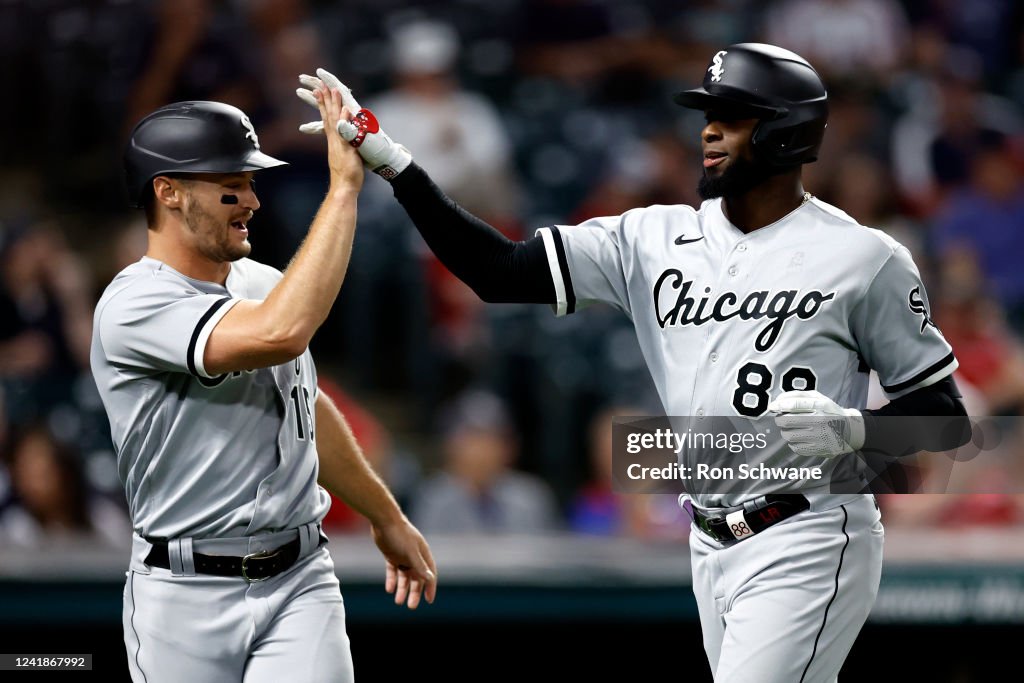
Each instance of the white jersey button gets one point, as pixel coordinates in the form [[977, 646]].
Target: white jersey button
[[742, 247], [714, 357], [700, 412], [733, 270]]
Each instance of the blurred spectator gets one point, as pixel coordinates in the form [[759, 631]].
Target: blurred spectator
[[856, 127], [198, 50], [598, 509], [657, 170], [841, 38], [985, 221], [51, 501], [457, 135], [991, 357], [949, 118], [605, 49], [460, 137], [952, 511], [987, 27], [45, 321], [478, 491], [292, 42], [704, 25], [394, 468]]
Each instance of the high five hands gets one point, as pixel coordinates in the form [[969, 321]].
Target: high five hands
[[380, 153]]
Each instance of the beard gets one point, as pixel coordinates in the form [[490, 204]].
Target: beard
[[212, 240], [740, 177]]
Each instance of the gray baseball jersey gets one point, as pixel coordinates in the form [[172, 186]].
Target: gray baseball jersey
[[202, 456], [727, 321]]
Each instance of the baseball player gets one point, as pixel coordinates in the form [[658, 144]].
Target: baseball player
[[764, 301], [222, 438]]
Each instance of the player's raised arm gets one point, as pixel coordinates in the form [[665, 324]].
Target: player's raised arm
[[263, 333], [495, 267]]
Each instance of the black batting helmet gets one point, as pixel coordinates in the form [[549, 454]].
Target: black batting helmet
[[191, 137], [774, 85]]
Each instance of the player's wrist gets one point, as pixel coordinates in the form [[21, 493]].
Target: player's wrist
[[397, 161], [342, 191], [856, 431], [386, 516]]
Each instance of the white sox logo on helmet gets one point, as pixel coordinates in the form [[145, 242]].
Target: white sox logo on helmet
[[251, 135], [717, 68]]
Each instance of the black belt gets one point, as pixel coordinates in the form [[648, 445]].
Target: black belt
[[253, 567], [731, 525]]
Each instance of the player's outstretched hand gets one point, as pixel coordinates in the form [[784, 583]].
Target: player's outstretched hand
[[380, 153], [411, 572], [815, 426], [344, 163]]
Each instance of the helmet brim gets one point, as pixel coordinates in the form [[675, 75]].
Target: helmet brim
[[253, 161], [257, 160], [702, 100]]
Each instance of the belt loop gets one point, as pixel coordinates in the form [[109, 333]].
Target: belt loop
[[179, 556], [308, 538]]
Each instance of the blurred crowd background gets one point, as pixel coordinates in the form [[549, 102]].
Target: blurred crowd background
[[529, 113]]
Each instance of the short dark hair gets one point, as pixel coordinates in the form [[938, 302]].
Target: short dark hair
[[149, 205]]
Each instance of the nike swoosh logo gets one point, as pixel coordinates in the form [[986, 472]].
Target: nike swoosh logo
[[680, 240]]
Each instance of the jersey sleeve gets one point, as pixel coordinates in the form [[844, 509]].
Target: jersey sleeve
[[894, 330], [161, 331], [587, 265]]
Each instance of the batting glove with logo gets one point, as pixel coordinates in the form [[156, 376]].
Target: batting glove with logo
[[815, 426], [380, 153]]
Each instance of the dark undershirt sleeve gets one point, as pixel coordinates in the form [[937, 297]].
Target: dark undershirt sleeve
[[930, 419], [496, 268]]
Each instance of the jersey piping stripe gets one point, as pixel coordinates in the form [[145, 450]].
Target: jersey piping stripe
[[835, 592], [135, 631], [190, 355], [555, 268], [921, 376], [563, 265]]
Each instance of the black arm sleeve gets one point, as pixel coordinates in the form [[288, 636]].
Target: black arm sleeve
[[929, 419], [496, 268]]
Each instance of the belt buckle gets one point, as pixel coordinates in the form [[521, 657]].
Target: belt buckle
[[704, 525], [263, 554]]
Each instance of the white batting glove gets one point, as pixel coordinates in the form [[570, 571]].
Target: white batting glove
[[380, 153], [815, 426]]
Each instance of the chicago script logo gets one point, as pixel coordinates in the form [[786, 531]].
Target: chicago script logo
[[776, 308]]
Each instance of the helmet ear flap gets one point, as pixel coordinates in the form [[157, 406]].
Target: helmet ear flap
[[783, 144]]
